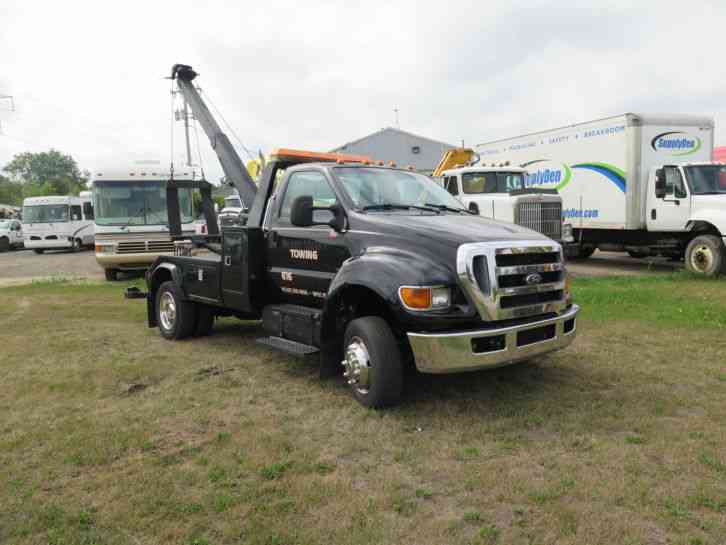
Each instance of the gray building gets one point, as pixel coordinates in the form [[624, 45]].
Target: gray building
[[402, 147]]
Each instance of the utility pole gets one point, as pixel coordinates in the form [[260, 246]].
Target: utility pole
[[9, 98]]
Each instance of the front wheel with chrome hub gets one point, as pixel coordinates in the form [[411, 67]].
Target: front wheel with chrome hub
[[372, 362], [706, 255]]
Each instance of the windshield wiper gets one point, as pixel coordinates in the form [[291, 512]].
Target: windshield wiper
[[449, 208], [131, 218], [392, 206]]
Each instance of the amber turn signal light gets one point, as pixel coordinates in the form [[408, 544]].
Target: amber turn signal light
[[416, 298]]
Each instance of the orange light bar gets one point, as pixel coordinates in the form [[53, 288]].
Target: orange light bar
[[303, 156]]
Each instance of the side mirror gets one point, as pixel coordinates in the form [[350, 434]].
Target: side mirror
[[75, 217], [301, 213], [660, 184]]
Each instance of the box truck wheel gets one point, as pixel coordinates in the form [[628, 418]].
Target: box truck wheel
[[38, 250], [111, 274], [582, 251], [706, 255], [372, 362], [4, 244], [177, 318]]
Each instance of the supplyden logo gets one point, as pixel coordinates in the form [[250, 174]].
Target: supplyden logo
[[676, 143], [549, 174]]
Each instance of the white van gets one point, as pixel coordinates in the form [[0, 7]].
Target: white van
[[56, 222]]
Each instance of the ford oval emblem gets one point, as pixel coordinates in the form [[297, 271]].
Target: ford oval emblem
[[533, 278]]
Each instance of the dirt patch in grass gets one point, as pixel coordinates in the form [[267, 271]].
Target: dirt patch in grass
[[111, 434]]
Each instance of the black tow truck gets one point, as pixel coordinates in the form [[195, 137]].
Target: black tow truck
[[373, 267]]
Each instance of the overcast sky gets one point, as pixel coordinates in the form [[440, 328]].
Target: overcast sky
[[87, 76]]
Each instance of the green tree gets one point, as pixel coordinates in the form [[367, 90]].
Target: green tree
[[10, 192], [46, 173]]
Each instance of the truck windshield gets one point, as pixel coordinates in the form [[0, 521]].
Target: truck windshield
[[137, 203], [707, 179], [491, 182], [45, 213], [381, 186]]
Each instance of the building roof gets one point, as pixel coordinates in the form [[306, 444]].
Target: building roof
[[402, 147]]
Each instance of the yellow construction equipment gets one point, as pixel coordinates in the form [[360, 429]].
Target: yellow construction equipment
[[457, 157]]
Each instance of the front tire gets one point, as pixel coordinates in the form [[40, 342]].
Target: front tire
[[706, 255], [177, 318], [372, 362], [110, 274], [4, 244]]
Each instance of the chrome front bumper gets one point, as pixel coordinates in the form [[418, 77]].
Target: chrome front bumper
[[489, 348]]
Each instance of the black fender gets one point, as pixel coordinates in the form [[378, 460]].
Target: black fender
[[382, 271]]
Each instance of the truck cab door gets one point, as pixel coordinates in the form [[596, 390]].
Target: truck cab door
[[672, 212], [302, 261]]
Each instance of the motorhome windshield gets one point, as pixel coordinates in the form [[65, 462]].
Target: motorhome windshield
[[707, 179], [45, 213], [492, 182], [137, 203], [380, 186]]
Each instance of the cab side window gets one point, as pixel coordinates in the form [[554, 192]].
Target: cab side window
[[479, 182], [88, 210], [451, 185], [311, 183], [674, 183]]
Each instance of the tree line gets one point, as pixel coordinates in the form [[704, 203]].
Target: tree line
[[36, 174]]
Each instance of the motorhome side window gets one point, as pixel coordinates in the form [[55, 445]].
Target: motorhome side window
[[674, 183], [88, 210], [75, 212], [309, 183]]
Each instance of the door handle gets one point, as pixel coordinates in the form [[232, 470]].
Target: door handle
[[652, 213], [228, 260]]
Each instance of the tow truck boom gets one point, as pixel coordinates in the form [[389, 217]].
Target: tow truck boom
[[231, 163]]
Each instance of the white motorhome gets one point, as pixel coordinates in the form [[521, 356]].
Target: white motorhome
[[501, 193], [132, 227], [644, 184], [56, 222]]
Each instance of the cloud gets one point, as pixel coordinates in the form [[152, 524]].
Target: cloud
[[88, 76]]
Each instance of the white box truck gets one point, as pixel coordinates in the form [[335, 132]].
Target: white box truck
[[644, 184], [56, 222]]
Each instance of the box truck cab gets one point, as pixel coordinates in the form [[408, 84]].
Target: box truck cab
[[132, 227], [57, 222], [639, 183], [502, 193]]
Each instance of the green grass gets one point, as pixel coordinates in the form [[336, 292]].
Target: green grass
[[111, 435]]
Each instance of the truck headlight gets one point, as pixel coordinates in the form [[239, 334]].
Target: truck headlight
[[425, 297], [105, 248]]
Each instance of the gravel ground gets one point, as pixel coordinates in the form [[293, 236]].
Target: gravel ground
[[617, 264], [22, 265]]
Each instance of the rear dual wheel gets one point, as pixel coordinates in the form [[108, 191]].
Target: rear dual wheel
[[179, 319]]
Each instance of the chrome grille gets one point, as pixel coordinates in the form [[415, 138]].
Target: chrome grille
[[513, 280], [543, 217], [144, 246]]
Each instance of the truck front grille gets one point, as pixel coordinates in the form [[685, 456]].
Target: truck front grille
[[543, 217], [513, 280], [144, 246]]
